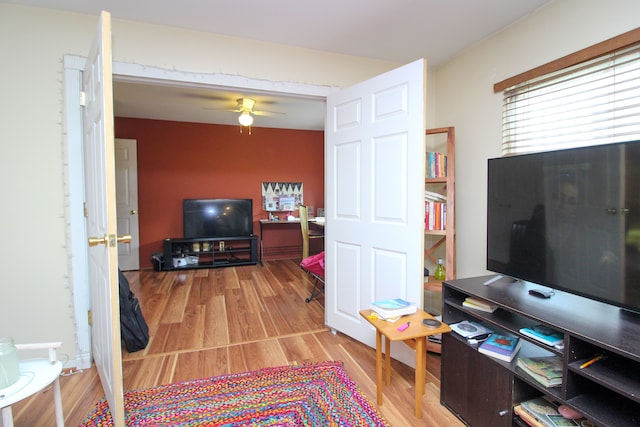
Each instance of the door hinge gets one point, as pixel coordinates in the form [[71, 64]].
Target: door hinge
[[83, 98], [90, 318], [84, 207]]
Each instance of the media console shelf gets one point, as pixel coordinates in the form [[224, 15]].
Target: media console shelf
[[482, 391], [209, 252]]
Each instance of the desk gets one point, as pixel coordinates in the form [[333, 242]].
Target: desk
[[282, 224], [415, 336]]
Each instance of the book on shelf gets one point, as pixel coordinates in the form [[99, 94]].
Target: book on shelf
[[469, 329], [435, 215], [501, 347], [391, 308], [545, 413], [546, 370], [479, 304], [436, 165], [526, 417], [543, 334]]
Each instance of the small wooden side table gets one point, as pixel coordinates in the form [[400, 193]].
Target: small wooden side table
[[415, 336]]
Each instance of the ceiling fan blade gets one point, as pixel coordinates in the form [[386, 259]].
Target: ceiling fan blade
[[222, 109], [268, 113], [207, 97]]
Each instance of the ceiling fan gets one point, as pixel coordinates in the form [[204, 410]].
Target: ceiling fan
[[246, 110]]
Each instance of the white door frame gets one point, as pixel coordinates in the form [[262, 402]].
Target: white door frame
[[73, 66]]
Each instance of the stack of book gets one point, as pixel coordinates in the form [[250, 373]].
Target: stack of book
[[545, 370], [436, 165], [391, 309], [543, 334], [501, 347], [435, 211], [540, 412], [479, 304]]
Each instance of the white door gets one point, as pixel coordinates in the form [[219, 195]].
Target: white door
[[375, 159], [127, 202], [100, 202]]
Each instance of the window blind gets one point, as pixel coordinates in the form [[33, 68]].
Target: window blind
[[591, 103]]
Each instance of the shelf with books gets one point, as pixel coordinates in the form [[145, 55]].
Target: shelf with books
[[439, 214], [440, 202], [598, 365]]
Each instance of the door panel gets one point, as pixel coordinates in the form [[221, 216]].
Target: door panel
[[98, 144], [374, 153]]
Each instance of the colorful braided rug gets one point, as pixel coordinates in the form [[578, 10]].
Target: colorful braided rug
[[320, 394]]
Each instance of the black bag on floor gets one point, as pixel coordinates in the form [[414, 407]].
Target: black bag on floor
[[133, 327]]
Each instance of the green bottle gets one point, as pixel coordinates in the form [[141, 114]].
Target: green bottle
[[440, 273]]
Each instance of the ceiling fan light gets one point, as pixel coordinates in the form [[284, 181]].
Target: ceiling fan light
[[245, 119]]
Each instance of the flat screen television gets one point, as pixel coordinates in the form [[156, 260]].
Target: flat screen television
[[569, 220], [217, 218]]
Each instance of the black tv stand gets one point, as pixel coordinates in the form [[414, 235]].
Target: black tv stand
[[209, 252], [482, 391]]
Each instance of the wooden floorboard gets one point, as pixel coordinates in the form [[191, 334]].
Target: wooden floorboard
[[212, 322]]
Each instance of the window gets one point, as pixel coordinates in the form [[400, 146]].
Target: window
[[592, 102]]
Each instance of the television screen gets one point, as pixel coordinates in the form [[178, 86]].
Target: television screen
[[217, 218], [569, 220]]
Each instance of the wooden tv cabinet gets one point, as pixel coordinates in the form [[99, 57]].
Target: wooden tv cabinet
[[482, 391], [208, 252]]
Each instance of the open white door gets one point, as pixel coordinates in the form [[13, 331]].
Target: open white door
[[375, 159], [127, 202], [100, 202]]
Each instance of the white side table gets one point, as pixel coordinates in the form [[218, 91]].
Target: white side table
[[35, 375]]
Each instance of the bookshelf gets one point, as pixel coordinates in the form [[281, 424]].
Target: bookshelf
[[440, 241], [445, 236]]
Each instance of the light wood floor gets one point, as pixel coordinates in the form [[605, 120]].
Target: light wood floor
[[217, 321]]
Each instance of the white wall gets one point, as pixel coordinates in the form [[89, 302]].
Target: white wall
[[36, 302], [465, 98]]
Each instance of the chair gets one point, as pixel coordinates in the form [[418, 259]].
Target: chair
[[307, 233], [314, 265]]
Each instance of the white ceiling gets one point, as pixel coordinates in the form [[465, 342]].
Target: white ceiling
[[394, 30]]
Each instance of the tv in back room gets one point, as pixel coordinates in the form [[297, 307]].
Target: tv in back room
[[569, 220], [217, 218]]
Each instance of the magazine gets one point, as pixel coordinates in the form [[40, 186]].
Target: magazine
[[543, 334], [545, 370]]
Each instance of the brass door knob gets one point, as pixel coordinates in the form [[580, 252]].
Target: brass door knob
[[109, 240], [95, 241]]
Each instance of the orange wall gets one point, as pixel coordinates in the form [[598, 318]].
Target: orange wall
[[178, 160]]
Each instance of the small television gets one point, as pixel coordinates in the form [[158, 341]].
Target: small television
[[569, 220], [217, 218]]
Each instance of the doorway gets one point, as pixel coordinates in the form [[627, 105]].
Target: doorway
[[73, 66]]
